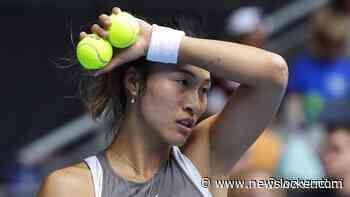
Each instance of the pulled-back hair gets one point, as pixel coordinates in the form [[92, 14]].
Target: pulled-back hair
[[105, 96]]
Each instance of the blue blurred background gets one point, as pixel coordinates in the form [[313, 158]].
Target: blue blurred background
[[45, 126]]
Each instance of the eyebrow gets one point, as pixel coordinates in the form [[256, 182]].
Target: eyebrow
[[192, 74]]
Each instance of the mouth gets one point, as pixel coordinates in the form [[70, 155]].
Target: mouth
[[185, 125]]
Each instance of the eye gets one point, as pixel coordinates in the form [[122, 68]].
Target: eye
[[205, 90], [183, 82]]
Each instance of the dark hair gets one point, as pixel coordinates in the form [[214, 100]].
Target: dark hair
[[105, 96], [328, 28], [336, 115], [339, 5]]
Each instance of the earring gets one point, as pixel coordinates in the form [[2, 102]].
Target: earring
[[132, 100]]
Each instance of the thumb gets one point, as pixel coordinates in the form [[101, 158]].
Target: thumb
[[115, 62], [124, 56]]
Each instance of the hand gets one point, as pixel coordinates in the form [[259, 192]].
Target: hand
[[122, 56]]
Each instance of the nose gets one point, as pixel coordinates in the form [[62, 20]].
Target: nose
[[190, 110], [193, 105]]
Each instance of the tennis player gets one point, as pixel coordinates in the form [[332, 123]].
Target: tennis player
[[157, 89]]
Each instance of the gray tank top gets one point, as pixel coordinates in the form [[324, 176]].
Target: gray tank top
[[171, 180]]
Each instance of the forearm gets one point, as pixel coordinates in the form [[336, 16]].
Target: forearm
[[248, 65], [264, 76]]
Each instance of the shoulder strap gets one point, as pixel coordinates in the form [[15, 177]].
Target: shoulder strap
[[97, 174], [191, 171]]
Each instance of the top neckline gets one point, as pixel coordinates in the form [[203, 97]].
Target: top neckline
[[117, 175]]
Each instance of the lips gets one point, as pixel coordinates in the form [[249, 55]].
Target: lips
[[187, 122]]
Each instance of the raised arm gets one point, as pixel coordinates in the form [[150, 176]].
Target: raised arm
[[224, 137], [263, 76]]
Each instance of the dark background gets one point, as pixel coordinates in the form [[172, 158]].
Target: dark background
[[38, 96]]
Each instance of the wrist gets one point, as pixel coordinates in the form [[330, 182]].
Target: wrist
[[164, 44], [148, 36]]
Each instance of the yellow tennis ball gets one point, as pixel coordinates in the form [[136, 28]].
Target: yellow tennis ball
[[94, 52], [124, 30]]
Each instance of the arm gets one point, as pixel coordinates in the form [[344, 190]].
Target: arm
[[70, 181], [229, 134], [222, 138]]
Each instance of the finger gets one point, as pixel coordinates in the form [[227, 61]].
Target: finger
[[110, 66], [82, 35], [116, 10], [105, 21], [99, 31]]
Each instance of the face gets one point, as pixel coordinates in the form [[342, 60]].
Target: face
[[335, 154], [174, 92]]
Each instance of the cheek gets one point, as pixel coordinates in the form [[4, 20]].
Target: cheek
[[205, 104], [343, 159], [160, 103], [336, 162]]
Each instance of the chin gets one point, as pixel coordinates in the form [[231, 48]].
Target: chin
[[178, 143], [176, 140]]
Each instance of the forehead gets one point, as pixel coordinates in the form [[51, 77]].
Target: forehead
[[340, 136], [196, 71]]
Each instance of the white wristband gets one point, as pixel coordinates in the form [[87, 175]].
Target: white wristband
[[164, 44]]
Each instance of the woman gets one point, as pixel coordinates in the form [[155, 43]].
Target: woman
[[163, 103]]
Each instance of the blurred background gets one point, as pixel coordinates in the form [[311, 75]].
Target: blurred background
[[44, 125]]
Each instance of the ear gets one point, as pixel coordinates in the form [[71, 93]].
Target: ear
[[132, 81]]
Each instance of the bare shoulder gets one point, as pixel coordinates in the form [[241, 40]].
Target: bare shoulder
[[74, 180]]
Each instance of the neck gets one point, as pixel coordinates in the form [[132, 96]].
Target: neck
[[137, 150]]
